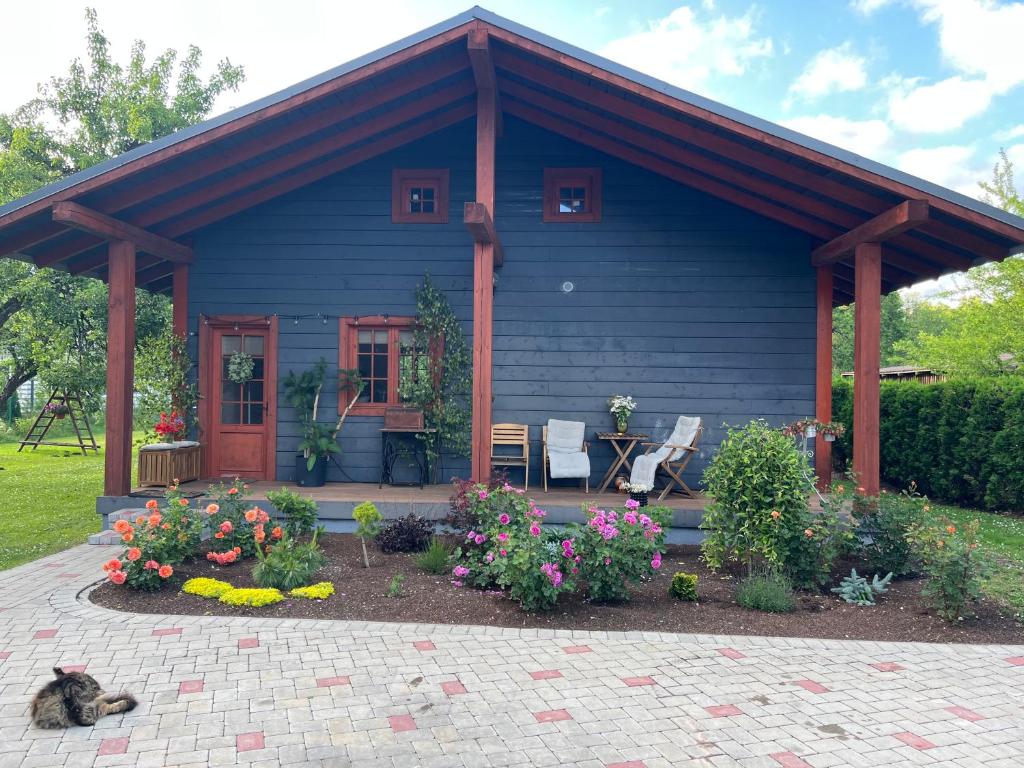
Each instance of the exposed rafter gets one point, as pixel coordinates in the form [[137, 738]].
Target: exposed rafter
[[906, 215], [101, 225], [481, 227]]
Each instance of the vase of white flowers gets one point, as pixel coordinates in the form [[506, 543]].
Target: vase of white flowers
[[621, 407], [637, 492]]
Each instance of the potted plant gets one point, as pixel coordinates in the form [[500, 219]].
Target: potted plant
[[830, 430], [621, 407], [170, 427], [637, 492], [59, 410], [319, 441]]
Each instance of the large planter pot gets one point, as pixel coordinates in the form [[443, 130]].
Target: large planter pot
[[310, 478]]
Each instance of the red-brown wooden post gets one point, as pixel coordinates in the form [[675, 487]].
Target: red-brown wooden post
[[179, 301], [117, 477], [866, 359], [823, 377], [483, 290]]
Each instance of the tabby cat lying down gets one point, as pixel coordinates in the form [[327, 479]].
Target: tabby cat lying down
[[75, 698]]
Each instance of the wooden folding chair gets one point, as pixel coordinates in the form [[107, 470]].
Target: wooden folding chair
[[517, 435], [671, 469]]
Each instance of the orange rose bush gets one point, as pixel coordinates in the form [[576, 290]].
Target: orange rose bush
[[156, 541], [236, 526]]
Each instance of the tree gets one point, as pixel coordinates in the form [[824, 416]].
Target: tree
[[983, 334], [53, 324], [894, 329]]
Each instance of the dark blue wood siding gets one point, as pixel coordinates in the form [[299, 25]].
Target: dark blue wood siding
[[689, 304]]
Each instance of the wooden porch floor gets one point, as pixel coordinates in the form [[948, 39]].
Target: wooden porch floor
[[430, 494]]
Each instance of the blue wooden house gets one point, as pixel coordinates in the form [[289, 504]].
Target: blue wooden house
[[596, 230]]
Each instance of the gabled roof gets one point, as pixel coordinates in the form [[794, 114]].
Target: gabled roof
[[424, 83]]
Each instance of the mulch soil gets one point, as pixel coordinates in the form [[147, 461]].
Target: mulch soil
[[900, 614]]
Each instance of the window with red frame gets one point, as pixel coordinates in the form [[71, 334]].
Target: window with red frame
[[419, 195], [572, 194], [382, 349]]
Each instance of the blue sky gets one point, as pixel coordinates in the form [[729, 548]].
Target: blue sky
[[934, 87]]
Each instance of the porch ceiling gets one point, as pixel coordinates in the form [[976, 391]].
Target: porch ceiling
[[179, 184]]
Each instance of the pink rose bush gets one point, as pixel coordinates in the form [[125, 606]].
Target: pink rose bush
[[509, 548]]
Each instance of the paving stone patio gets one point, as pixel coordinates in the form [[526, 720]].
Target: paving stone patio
[[268, 692]]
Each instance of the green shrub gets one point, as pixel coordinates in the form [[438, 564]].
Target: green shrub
[[768, 591], [684, 586], [434, 559], [395, 586], [368, 521], [299, 512], [882, 526], [954, 563], [288, 564], [960, 441], [760, 483]]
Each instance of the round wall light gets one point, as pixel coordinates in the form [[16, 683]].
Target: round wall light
[[568, 287]]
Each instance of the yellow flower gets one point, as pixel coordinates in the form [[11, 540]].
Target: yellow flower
[[320, 591], [256, 598], [206, 587]]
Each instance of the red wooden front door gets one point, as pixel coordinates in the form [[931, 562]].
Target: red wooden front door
[[240, 419]]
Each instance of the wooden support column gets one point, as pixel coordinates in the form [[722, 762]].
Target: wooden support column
[[866, 360], [823, 377], [179, 300], [483, 289], [117, 476]]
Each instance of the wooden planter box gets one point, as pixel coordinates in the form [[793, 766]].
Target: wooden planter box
[[164, 466]]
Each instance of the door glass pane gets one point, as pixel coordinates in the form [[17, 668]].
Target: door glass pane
[[254, 414], [379, 390], [230, 413], [230, 344], [254, 345], [257, 368], [230, 391], [254, 391]]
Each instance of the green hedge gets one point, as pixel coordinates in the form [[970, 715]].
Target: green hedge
[[961, 441]]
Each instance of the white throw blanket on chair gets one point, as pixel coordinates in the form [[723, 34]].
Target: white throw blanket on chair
[[645, 467], [565, 449]]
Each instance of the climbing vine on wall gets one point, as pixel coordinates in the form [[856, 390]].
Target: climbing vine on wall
[[437, 374]]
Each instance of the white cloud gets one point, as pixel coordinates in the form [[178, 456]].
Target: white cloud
[[952, 166], [869, 138], [832, 70], [1016, 155], [938, 107], [690, 51], [981, 41], [867, 7], [1011, 133]]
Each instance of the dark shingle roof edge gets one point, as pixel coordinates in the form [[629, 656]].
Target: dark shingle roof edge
[[540, 38]]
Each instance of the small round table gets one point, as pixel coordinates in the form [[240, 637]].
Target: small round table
[[624, 444]]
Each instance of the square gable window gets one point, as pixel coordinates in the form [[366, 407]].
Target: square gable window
[[419, 196], [572, 194]]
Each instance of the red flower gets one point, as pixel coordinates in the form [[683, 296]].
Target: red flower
[[277, 533], [218, 535], [151, 565], [151, 504], [118, 577], [226, 526], [165, 571], [154, 519], [134, 554], [183, 502], [237, 550], [232, 491]]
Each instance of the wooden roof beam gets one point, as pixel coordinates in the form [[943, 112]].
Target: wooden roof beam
[[481, 227], [101, 225], [331, 165], [906, 215], [479, 48]]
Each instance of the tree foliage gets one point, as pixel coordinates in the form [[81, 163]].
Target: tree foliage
[[52, 324]]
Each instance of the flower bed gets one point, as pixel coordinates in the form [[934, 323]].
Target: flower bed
[[360, 595]]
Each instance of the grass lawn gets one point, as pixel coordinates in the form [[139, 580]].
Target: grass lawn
[[1003, 537], [47, 500]]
